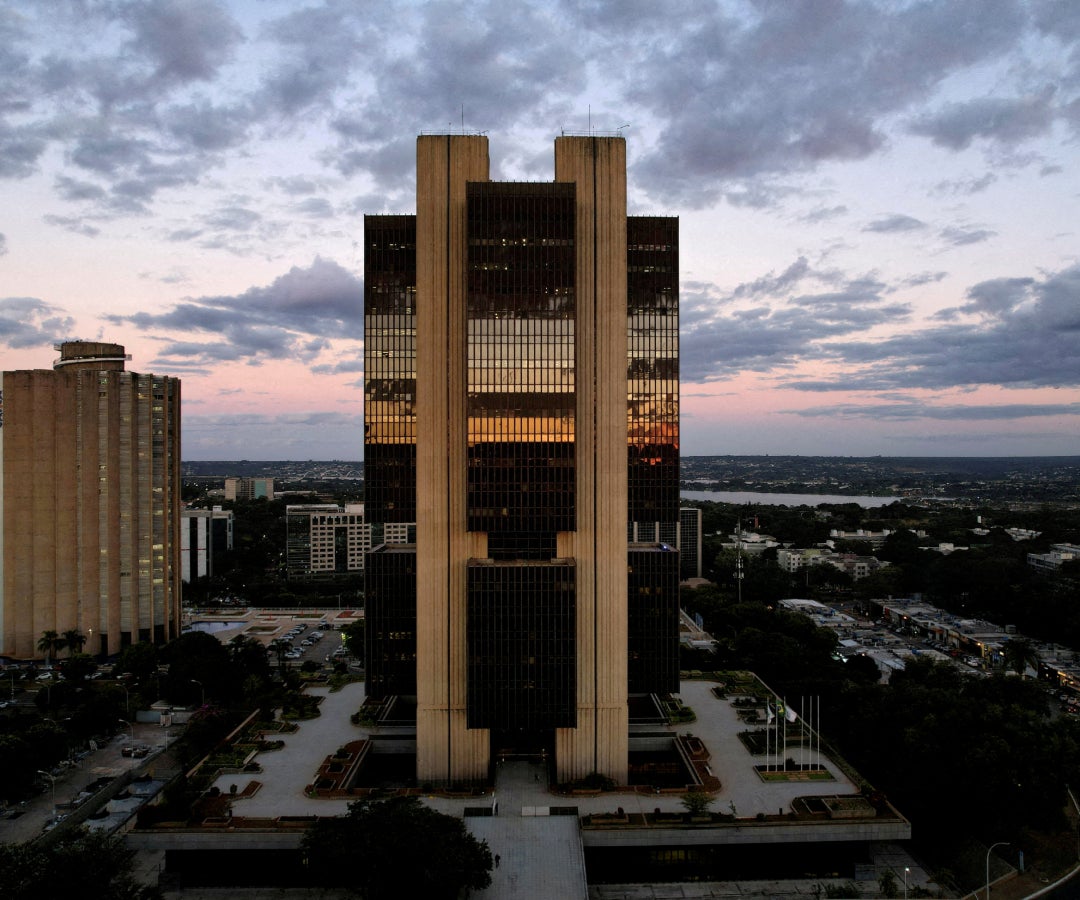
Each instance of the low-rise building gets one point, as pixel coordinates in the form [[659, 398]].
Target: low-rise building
[[205, 534]]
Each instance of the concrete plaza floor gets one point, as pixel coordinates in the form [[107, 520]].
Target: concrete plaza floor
[[541, 856]]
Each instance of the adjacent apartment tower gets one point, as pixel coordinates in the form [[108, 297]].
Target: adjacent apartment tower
[[521, 407], [90, 502]]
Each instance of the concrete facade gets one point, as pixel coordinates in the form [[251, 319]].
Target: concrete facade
[[90, 498]]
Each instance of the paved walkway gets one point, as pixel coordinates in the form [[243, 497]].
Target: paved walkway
[[541, 856], [286, 772]]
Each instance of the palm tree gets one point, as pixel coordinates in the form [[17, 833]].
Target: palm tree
[[281, 646], [50, 642], [74, 640], [1020, 653]]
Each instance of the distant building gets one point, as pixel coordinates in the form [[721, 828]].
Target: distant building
[[90, 497], [689, 542], [249, 488], [792, 561], [684, 536], [324, 539], [205, 535], [1052, 561]]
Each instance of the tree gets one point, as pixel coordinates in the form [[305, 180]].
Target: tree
[[50, 643], [74, 640], [279, 647], [375, 846], [139, 659], [98, 866], [353, 637], [1020, 655], [696, 802]]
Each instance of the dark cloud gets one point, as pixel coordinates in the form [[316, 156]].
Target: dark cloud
[[233, 218], [3, 244], [960, 236], [1006, 121], [893, 223], [910, 411], [964, 186], [720, 338], [795, 86], [290, 318], [314, 207], [823, 214], [182, 40], [72, 224], [73, 189], [296, 185], [204, 126], [29, 322], [1025, 336], [925, 278]]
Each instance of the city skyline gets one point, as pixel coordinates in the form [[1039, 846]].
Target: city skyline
[[878, 200]]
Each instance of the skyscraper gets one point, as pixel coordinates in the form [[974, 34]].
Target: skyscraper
[[521, 406], [90, 500]]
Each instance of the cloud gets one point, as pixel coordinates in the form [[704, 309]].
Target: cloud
[[3, 244], [720, 336], [290, 318], [894, 223], [960, 236], [29, 322], [72, 224], [1024, 337], [912, 411], [740, 97], [182, 40], [823, 214], [1003, 120], [964, 186]]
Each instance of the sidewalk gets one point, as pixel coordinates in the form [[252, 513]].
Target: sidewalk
[[104, 762]]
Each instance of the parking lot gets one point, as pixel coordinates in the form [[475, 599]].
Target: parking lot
[[310, 634]]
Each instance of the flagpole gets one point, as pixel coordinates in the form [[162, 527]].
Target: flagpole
[[783, 725]]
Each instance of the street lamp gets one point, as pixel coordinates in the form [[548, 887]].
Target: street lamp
[[907, 870], [52, 778], [202, 687], [988, 852], [130, 725]]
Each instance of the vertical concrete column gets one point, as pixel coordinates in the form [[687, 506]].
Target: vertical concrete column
[[600, 742], [446, 751]]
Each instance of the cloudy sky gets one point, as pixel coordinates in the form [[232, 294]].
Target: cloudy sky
[[878, 200]]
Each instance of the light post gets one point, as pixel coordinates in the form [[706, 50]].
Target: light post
[[52, 779], [130, 725], [201, 687], [907, 870], [988, 852]]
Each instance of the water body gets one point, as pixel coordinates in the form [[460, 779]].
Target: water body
[[212, 627], [741, 497]]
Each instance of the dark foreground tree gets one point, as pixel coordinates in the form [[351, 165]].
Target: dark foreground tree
[[399, 848], [88, 865]]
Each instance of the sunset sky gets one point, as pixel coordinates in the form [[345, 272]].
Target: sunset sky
[[879, 202]]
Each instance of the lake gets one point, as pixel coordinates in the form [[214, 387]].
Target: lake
[[767, 499]]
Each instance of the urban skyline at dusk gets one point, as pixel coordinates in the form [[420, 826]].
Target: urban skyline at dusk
[[877, 201]]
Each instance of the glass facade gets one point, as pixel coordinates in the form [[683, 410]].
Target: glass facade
[[520, 409], [653, 618], [652, 309], [521, 645], [390, 617], [520, 346], [390, 368]]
